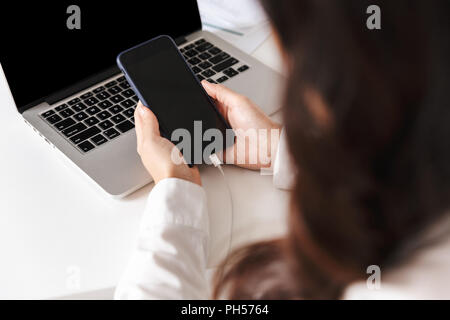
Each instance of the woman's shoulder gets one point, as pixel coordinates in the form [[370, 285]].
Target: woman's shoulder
[[424, 274]]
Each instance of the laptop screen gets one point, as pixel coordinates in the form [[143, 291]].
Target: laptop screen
[[47, 46]]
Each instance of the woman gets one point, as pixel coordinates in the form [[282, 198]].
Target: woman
[[366, 121]]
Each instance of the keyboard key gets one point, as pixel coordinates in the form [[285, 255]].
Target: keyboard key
[[125, 126], [214, 51], [222, 79], [80, 116], [226, 64], [65, 124], [117, 98], [106, 124], [99, 89], [116, 109], [196, 70], [189, 46], [66, 113], [231, 72], [182, 50], [53, 119], [103, 96], [79, 107], [128, 113], [204, 46], [135, 98], [118, 118], [73, 101], [125, 85], [205, 56], [211, 81], [86, 146], [200, 41], [93, 110], [194, 61], [190, 53], [86, 95], [86, 134], [48, 113], [111, 84], [115, 90], [220, 57], [105, 104], [91, 121], [111, 133], [205, 65], [200, 77], [91, 101], [243, 68], [208, 73], [99, 140], [103, 115], [121, 79], [128, 104], [128, 93], [61, 107], [74, 129]]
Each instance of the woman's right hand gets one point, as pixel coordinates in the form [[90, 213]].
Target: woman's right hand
[[247, 121]]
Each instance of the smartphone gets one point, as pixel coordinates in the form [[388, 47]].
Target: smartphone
[[164, 82]]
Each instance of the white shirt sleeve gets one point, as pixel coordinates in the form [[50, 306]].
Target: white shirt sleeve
[[284, 172], [169, 259]]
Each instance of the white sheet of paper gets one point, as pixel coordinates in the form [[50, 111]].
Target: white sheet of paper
[[241, 22]]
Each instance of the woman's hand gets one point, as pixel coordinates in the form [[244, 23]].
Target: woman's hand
[[156, 151], [245, 117]]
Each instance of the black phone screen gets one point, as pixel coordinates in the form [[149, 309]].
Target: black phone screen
[[164, 83]]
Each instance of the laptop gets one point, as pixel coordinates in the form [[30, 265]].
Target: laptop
[[59, 62]]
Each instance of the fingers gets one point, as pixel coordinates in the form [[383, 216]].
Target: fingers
[[147, 125], [228, 98]]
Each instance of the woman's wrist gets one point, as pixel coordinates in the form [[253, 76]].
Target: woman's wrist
[[182, 172]]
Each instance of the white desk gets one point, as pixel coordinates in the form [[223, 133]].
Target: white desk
[[60, 237]]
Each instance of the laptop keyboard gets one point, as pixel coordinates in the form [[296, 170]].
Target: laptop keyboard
[[97, 116], [106, 112], [211, 63]]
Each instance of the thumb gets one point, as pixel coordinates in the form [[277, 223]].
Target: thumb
[[146, 122], [228, 98]]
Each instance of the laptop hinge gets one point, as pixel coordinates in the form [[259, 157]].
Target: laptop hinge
[[89, 82], [180, 40]]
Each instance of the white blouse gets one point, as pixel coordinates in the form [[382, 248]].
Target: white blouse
[[169, 260]]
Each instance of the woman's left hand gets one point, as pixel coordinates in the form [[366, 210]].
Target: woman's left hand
[[157, 152]]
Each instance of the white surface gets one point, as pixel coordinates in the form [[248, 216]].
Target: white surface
[[60, 237], [247, 41], [241, 22], [232, 14]]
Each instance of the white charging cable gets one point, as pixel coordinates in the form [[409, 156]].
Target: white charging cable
[[218, 164]]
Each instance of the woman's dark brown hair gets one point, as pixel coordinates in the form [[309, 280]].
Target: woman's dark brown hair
[[377, 173]]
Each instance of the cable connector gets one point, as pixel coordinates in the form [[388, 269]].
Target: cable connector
[[215, 160], [217, 163]]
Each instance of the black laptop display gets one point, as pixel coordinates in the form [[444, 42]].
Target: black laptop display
[[41, 56]]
